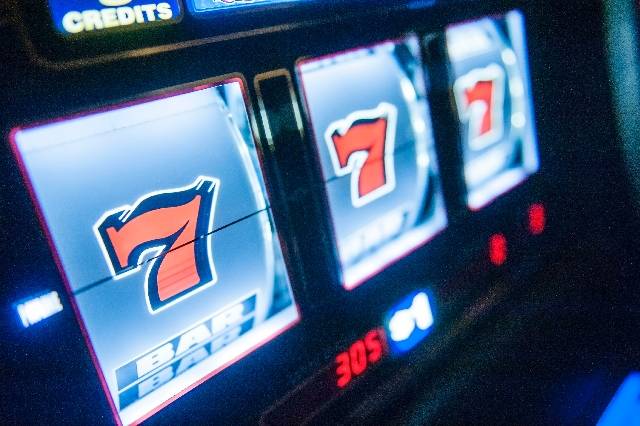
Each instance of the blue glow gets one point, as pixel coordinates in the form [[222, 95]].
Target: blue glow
[[204, 6], [38, 308], [409, 322], [624, 408]]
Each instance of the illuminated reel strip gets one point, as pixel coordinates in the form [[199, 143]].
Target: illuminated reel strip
[[493, 153], [107, 364], [159, 366], [177, 376], [397, 232]]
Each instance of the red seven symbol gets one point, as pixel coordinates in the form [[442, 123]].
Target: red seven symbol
[[171, 231], [363, 145], [480, 100]]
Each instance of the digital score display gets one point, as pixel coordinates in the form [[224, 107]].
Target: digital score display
[[360, 356], [406, 325], [371, 125], [329, 383], [493, 98], [157, 215]]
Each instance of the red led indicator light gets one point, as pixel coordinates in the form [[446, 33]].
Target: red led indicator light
[[498, 249], [537, 219]]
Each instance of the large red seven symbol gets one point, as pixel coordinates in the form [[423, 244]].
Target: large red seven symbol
[[480, 99], [173, 227], [363, 145]]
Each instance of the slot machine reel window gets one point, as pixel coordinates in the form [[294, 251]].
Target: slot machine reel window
[[372, 131], [493, 98], [157, 214]]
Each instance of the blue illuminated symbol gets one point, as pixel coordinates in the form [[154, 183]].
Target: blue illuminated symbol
[[38, 308], [624, 408], [409, 322]]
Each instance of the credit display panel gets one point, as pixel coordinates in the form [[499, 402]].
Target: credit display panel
[[372, 131], [493, 98], [88, 16], [157, 215]]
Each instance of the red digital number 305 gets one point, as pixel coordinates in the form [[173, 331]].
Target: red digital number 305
[[361, 355]]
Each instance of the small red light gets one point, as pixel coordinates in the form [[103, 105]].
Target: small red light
[[537, 219], [498, 249]]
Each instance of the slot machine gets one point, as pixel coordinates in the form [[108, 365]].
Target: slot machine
[[295, 211]]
